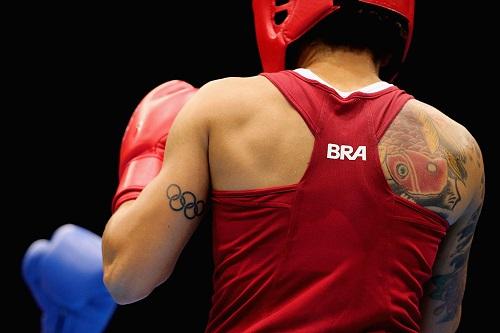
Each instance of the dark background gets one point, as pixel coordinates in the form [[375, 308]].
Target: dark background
[[74, 75]]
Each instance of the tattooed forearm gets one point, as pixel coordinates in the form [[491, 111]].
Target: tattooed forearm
[[185, 202], [449, 288]]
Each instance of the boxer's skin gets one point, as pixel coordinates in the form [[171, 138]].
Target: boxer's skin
[[241, 133], [449, 146]]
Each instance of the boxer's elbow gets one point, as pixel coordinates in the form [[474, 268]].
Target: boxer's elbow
[[122, 291], [124, 286], [121, 277], [128, 275], [130, 272]]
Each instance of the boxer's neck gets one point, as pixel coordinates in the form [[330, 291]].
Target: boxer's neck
[[344, 69]]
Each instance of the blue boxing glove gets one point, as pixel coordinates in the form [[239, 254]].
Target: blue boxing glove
[[65, 278]]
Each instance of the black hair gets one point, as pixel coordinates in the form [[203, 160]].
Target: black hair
[[358, 26]]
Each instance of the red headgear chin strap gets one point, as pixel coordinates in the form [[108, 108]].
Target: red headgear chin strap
[[274, 37]]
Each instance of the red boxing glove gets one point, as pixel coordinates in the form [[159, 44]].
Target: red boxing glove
[[143, 143]]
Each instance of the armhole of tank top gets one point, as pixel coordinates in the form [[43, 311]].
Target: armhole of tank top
[[314, 128], [289, 187], [439, 220]]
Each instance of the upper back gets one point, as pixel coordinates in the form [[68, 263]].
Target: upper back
[[258, 140]]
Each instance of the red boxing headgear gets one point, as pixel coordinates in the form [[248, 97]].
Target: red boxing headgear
[[300, 16]]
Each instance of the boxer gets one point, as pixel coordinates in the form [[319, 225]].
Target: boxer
[[340, 202]]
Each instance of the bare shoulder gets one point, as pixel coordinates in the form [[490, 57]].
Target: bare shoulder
[[235, 91], [238, 85], [415, 109], [432, 160], [233, 101]]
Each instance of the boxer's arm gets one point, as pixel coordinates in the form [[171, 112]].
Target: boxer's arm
[[442, 301], [144, 238]]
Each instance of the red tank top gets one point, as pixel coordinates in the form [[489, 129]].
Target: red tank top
[[337, 252]]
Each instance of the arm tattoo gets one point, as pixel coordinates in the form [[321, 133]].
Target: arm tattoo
[[449, 288], [423, 164], [184, 201]]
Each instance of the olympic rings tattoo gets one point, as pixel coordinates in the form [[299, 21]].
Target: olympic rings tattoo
[[185, 201]]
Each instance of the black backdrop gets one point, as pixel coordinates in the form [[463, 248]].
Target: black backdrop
[[74, 75]]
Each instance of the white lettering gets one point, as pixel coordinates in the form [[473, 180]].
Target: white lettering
[[336, 152]]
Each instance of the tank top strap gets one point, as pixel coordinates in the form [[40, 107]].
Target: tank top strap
[[303, 97]]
